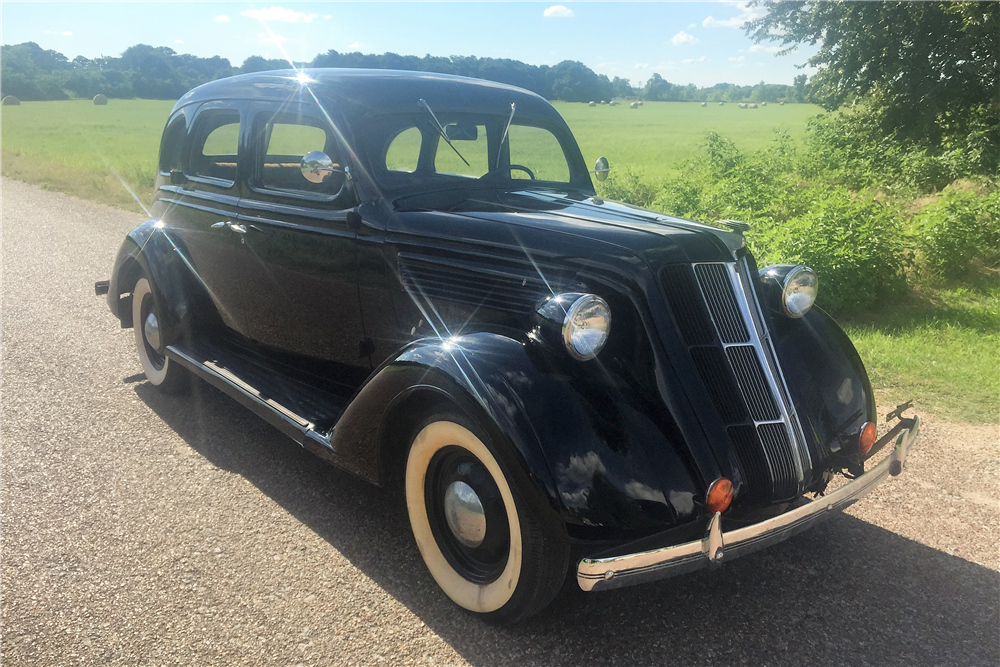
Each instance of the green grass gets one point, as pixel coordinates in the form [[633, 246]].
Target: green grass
[[659, 136], [940, 347], [73, 146]]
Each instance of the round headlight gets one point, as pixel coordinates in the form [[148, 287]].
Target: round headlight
[[586, 327], [799, 291]]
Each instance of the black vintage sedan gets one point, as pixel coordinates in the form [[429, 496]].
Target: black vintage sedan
[[412, 276]]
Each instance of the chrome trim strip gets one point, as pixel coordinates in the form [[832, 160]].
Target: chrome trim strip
[[642, 567], [797, 435]]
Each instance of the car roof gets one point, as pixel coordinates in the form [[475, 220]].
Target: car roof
[[373, 89]]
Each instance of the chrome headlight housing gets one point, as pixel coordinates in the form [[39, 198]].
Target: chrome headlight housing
[[581, 322], [798, 287]]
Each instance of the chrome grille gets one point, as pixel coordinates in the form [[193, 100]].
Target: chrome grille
[[750, 375], [748, 390], [718, 292]]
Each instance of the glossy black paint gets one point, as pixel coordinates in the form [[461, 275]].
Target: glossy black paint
[[441, 304]]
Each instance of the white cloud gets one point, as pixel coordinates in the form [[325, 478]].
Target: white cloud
[[264, 38], [327, 16], [64, 33], [703, 59], [683, 38], [747, 13], [737, 60], [279, 15], [222, 18], [178, 41], [559, 12], [67, 33], [692, 25], [355, 45], [641, 66], [757, 48]]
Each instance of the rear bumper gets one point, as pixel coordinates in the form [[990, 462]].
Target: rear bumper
[[630, 569]]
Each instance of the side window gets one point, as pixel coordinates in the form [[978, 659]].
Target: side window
[[170, 146], [538, 150], [470, 140], [403, 153], [216, 145], [286, 139]]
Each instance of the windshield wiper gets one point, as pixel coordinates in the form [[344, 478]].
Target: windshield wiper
[[422, 102], [513, 108]]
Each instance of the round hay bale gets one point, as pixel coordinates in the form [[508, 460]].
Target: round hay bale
[[722, 104], [100, 100], [781, 104], [11, 101], [704, 104], [612, 103], [592, 104], [604, 101], [634, 105], [640, 102], [753, 106], [763, 104]]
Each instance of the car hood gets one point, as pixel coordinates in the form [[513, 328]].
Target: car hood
[[655, 237]]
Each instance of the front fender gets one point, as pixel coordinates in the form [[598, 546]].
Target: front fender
[[827, 381], [593, 451]]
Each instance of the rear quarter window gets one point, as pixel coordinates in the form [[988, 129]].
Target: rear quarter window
[[216, 146]]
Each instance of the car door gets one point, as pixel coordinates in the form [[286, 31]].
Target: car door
[[298, 256], [201, 203]]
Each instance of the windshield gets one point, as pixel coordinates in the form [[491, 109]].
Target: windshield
[[421, 152]]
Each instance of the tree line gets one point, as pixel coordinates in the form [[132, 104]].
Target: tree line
[[30, 72]]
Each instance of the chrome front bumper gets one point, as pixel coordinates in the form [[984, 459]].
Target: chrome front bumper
[[630, 569]]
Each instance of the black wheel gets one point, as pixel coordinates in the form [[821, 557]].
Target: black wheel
[[161, 372], [478, 538]]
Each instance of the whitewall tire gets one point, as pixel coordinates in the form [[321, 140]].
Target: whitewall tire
[[473, 529], [161, 372]]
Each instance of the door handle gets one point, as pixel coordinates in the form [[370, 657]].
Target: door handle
[[239, 229], [216, 225], [257, 229]]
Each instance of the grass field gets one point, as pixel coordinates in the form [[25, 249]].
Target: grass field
[[941, 347], [659, 136]]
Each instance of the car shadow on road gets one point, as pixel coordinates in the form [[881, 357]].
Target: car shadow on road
[[846, 592]]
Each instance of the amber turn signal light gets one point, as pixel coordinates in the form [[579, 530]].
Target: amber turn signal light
[[720, 494], [867, 439]]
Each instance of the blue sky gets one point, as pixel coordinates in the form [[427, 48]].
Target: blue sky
[[685, 42]]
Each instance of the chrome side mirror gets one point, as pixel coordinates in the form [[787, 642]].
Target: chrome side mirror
[[601, 169], [317, 167]]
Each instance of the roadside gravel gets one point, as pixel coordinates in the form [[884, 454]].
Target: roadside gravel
[[140, 529]]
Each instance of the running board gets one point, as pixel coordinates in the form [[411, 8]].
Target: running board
[[298, 428]]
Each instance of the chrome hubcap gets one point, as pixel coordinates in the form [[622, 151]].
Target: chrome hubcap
[[464, 512], [151, 329]]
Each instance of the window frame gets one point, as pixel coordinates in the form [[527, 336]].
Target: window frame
[[263, 115], [506, 158], [193, 139]]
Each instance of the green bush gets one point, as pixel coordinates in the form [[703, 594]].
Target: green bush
[[961, 228], [625, 185], [854, 243]]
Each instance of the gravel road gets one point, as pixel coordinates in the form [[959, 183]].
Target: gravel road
[[145, 530]]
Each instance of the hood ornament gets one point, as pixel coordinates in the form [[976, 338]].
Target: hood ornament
[[736, 225]]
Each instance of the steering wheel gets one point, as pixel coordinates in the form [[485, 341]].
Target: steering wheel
[[509, 167]]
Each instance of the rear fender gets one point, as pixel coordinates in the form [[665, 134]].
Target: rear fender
[[592, 455], [148, 250]]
